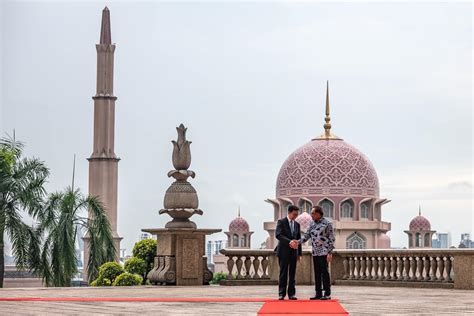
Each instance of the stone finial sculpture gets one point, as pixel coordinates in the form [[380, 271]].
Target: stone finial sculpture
[[181, 200]]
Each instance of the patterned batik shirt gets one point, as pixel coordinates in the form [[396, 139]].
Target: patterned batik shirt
[[322, 237]]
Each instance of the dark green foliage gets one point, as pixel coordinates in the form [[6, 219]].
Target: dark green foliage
[[146, 250], [21, 190], [136, 265], [128, 279], [218, 276], [110, 271]]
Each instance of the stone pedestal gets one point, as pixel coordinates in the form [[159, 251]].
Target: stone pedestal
[[180, 256]]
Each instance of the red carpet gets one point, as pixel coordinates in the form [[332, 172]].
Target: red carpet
[[140, 299], [302, 307], [270, 306]]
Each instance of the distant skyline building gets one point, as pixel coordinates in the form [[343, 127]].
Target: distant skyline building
[[466, 241], [442, 240]]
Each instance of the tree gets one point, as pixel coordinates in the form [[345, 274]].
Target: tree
[[21, 192], [146, 250], [62, 224]]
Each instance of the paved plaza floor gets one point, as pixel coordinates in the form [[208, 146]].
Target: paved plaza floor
[[355, 299]]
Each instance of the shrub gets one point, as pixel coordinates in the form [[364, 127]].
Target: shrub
[[110, 270], [128, 279], [146, 250], [136, 265], [101, 282], [218, 276]]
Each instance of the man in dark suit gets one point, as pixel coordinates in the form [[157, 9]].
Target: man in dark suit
[[288, 230]]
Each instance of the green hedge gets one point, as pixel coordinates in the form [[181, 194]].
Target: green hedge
[[110, 270], [137, 266], [146, 250], [128, 279], [218, 276]]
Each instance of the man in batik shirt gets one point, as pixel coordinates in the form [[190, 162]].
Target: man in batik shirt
[[321, 234]]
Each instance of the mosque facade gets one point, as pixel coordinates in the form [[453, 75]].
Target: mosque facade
[[329, 172]]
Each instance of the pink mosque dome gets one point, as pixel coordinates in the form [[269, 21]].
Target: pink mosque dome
[[239, 225], [304, 219], [327, 165], [420, 223]]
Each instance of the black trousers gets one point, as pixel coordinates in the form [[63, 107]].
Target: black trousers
[[287, 275], [321, 275]]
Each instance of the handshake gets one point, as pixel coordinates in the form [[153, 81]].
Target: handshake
[[294, 244]]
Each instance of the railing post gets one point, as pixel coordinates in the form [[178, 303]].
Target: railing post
[[230, 267], [434, 268], [441, 268], [363, 268], [369, 267], [427, 266], [256, 266]]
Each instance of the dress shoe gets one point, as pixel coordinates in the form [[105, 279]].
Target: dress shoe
[[316, 298], [293, 298], [281, 298], [326, 297]]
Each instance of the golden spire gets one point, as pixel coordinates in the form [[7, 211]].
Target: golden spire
[[327, 126]]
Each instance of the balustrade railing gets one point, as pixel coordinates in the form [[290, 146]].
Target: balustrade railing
[[399, 267], [247, 263], [452, 268]]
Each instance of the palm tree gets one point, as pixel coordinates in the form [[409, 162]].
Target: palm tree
[[62, 224], [21, 192]]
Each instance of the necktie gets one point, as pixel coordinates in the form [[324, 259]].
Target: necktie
[[292, 227]]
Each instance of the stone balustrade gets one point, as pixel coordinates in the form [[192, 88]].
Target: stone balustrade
[[448, 268], [445, 268], [248, 266]]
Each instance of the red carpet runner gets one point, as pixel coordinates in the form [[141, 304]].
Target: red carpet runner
[[302, 307], [270, 306]]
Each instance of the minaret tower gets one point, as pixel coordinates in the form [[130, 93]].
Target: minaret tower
[[103, 163]]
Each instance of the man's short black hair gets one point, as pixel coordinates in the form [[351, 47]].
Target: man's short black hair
[[292, 208], [318, 209]]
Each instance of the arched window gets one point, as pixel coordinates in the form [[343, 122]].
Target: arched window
[[418, 240], [356, 241], [347, 209], [328, 208], [235, 241], [364, 210], [427, 240], [243, 242]]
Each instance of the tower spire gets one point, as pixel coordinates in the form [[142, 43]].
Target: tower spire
[[327, 126], [239, 211], [419, 210], [105, 34], [103, 162]]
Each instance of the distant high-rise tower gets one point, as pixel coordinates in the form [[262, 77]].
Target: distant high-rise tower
[[103, 163]]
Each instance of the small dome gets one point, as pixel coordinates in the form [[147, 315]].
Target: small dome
[[420, 223], [304, 219], [239, 225]]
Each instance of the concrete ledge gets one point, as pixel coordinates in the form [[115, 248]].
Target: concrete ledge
[[248, 282], [437, 285]]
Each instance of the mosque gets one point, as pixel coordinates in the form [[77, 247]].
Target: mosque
[[329, 172]]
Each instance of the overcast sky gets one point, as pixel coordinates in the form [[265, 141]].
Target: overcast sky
[[248, 80]]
